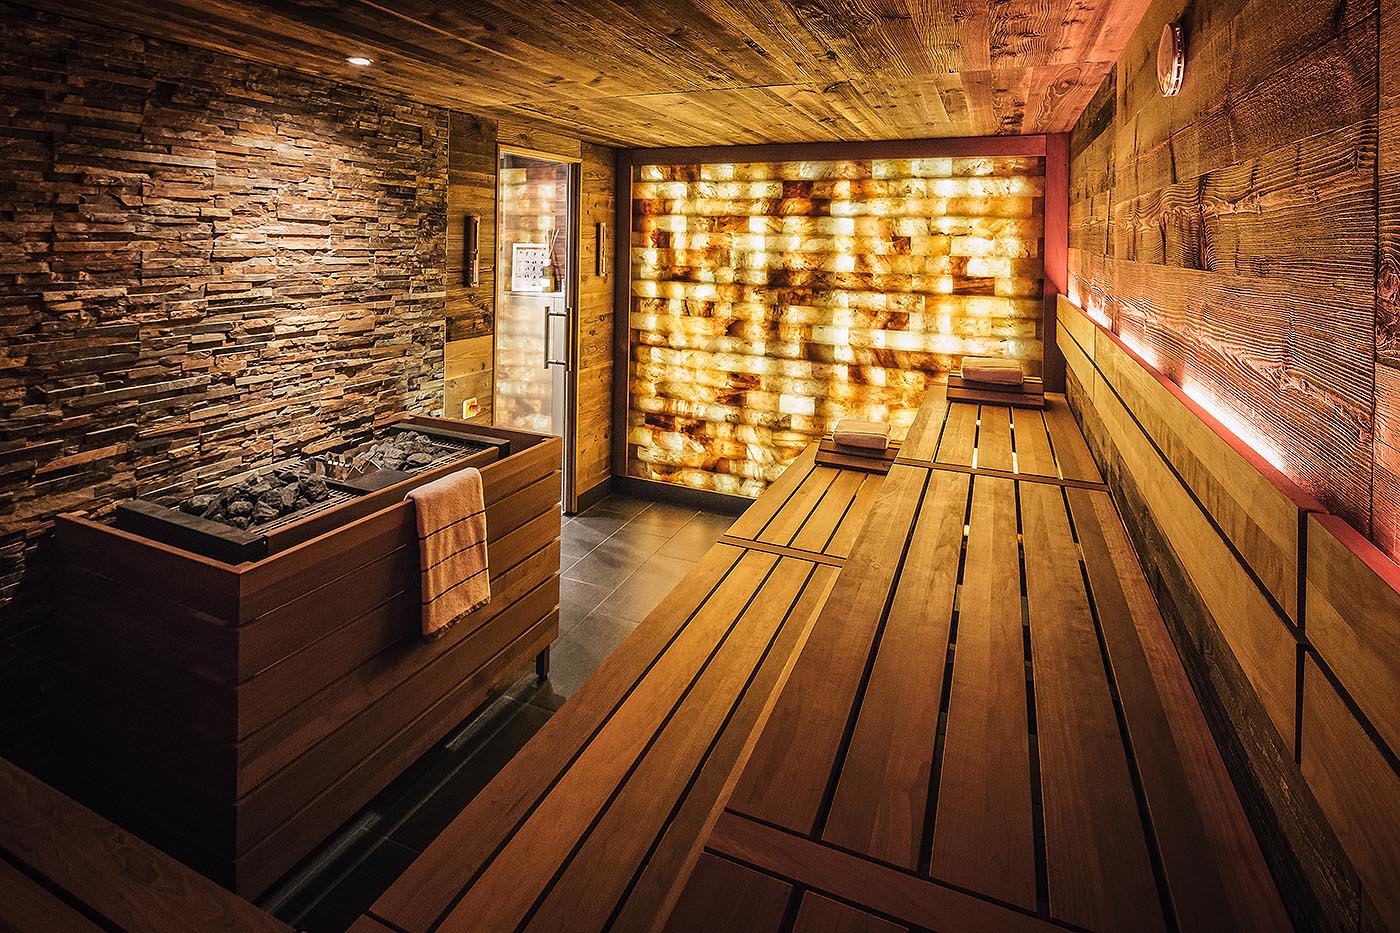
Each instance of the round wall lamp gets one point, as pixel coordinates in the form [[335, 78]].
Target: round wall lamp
[[360, 61], [1171, 59]]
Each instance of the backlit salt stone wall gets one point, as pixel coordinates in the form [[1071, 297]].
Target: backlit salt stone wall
[[770, 299]]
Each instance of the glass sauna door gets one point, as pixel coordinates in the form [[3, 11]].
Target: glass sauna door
[[536, 283]]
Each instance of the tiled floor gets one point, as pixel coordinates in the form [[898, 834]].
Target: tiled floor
[[619, 559]]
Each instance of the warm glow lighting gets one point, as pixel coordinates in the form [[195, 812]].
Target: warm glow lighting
[[770, 299], [360, 60], [1233, 422]]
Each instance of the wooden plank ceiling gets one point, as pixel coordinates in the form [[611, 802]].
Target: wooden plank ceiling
[[685, 72]]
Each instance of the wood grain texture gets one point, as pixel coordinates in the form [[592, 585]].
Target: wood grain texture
[[791, 764], [982, 837], [1356, 787], [916, 901], [722, 894], [734, 73], [1353, 593], [881, 798], [817, 914], [128, 882], [1213, 863], [1098, 867], [1231, 234], [1252, 502]]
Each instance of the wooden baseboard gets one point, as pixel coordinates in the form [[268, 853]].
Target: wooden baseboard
[[594, 495]]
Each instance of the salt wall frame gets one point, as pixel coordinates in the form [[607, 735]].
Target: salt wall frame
[[1054, 148]]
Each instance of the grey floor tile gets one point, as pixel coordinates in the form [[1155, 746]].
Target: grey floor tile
[[647, 586], [696, 536], [662, 518], [577, 598], [577, 655], [625, 504], [613, 561]]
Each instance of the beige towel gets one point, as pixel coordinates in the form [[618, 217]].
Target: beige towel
[[451, 515], [871, 435], [990, 370]]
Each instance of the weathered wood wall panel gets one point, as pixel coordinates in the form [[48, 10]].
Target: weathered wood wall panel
[[471, 191], [1385, 496], [204, 264], [680, 72], [1230, 232], [598, 189], [769, 299]]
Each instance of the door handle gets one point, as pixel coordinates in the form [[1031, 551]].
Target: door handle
[[549, 315]]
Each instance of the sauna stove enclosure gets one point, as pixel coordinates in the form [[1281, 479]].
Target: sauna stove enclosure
[[245, 691]]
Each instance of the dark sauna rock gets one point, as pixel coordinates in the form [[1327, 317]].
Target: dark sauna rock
[[260, 499], [406, 450]]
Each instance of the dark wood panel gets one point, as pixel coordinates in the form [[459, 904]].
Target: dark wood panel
[[831, 871], [266, 862], [27, 907], [724, 895], [817, 914], [127, 881]]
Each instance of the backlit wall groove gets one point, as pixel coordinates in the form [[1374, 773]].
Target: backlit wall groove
[[770, 299]]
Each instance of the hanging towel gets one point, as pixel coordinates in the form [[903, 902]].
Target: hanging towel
[[990, 370], [451, 515], [871, 435]]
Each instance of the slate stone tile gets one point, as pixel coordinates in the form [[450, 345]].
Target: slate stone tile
[[647, 586], [577, 598], [577, 655], [664, 518], [695, 537], [613, 561]]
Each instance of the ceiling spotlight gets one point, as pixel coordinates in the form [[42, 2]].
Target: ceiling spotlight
[[360, 60]]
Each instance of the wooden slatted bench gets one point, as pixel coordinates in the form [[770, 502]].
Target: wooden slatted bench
[[988, 727], [63, 867], [596, 819]]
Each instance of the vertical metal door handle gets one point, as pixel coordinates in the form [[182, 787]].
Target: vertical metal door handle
[[549, 315]]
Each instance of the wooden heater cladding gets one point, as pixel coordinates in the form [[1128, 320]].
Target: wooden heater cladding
[[252, 708]]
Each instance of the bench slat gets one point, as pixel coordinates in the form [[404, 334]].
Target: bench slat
[[27, 907], [819, 914], [598, 873], [883, 789], [1215, 870], [1033, 453], [994, 438], [1098, 867], [786, 779], [724, 895], [959, 439], [666, 868], [983, 837]]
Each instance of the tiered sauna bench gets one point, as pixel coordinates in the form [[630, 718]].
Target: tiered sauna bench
[[937, 699]]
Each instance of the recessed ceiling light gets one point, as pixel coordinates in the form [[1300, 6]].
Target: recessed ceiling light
[[360, 60]]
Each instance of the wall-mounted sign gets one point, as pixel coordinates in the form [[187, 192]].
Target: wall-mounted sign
[[529, 268]]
